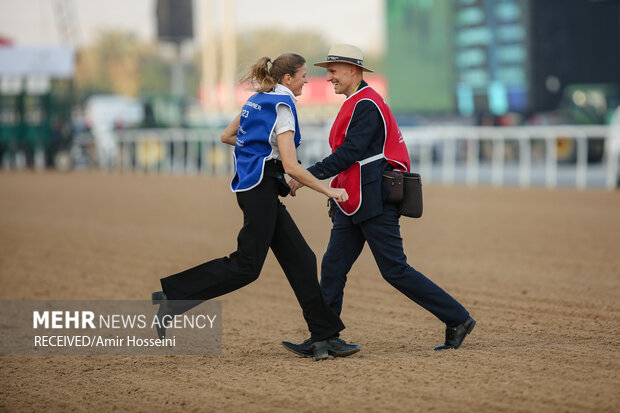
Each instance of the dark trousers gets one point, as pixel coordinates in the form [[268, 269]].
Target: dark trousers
[[383, 236], [266, 223]]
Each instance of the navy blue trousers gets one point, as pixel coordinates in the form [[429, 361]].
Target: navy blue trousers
[[383, 236]]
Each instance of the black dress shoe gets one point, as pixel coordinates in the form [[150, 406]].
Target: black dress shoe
[[303, 349], [335, 346], [159, 297], [320, 350], [456, 335]]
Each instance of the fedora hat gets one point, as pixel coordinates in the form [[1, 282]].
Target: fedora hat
[[345, 53]]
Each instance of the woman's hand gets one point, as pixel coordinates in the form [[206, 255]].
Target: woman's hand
[[339, 194]]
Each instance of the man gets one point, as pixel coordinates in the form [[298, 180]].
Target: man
[[365, 141]]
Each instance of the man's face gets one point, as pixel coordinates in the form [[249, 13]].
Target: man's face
[[341, 75]]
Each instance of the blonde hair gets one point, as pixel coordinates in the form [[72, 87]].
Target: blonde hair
[[263, 78]]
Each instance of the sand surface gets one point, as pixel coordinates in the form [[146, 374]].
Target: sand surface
[[538, 269]]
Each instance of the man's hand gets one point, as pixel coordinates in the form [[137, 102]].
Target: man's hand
[[295, 185]]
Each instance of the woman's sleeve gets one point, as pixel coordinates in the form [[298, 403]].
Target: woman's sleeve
[[285, 121]]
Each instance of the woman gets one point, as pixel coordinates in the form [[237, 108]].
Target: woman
[[265, 135]]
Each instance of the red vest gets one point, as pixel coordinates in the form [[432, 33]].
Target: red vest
[[394, 148]]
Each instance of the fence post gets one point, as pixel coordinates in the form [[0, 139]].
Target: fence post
[[497, 171], [551, 161], [39, 158], [178, 165], [581, 174], [525, 161], [612, 149], [473, 149], [125, 145], [169, 168], [426, 159], [448, 159], [191, 161]]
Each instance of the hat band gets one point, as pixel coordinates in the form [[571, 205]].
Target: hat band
[[359, 62]]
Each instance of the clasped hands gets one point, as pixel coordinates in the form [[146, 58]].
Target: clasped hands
[[338, 194]]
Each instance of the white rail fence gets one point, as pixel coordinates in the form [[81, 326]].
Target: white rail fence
[[551, 156]]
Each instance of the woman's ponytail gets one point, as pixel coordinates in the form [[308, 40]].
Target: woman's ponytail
[[265, 74], [259, 75]]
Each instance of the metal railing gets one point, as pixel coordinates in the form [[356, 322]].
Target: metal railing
[[551, 156], [525, 156], [174, 151]]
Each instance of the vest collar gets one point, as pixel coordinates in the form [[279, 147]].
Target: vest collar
[[280, 89], [360, 87]]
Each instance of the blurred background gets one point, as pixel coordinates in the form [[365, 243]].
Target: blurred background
[[486, 92]]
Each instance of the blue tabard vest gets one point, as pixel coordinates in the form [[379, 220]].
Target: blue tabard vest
[[258, 119]]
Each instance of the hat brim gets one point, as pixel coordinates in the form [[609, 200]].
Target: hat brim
[[324, 64]]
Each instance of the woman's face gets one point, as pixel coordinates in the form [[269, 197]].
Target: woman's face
[[297, 82]]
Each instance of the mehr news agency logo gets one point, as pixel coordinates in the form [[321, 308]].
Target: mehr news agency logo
[[87, 320]]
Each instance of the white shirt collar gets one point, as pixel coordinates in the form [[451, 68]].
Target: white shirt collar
[[283, 90]]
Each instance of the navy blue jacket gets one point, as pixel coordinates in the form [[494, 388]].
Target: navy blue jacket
[[365, 138]]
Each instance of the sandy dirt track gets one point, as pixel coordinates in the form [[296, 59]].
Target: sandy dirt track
[[538, 269]]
